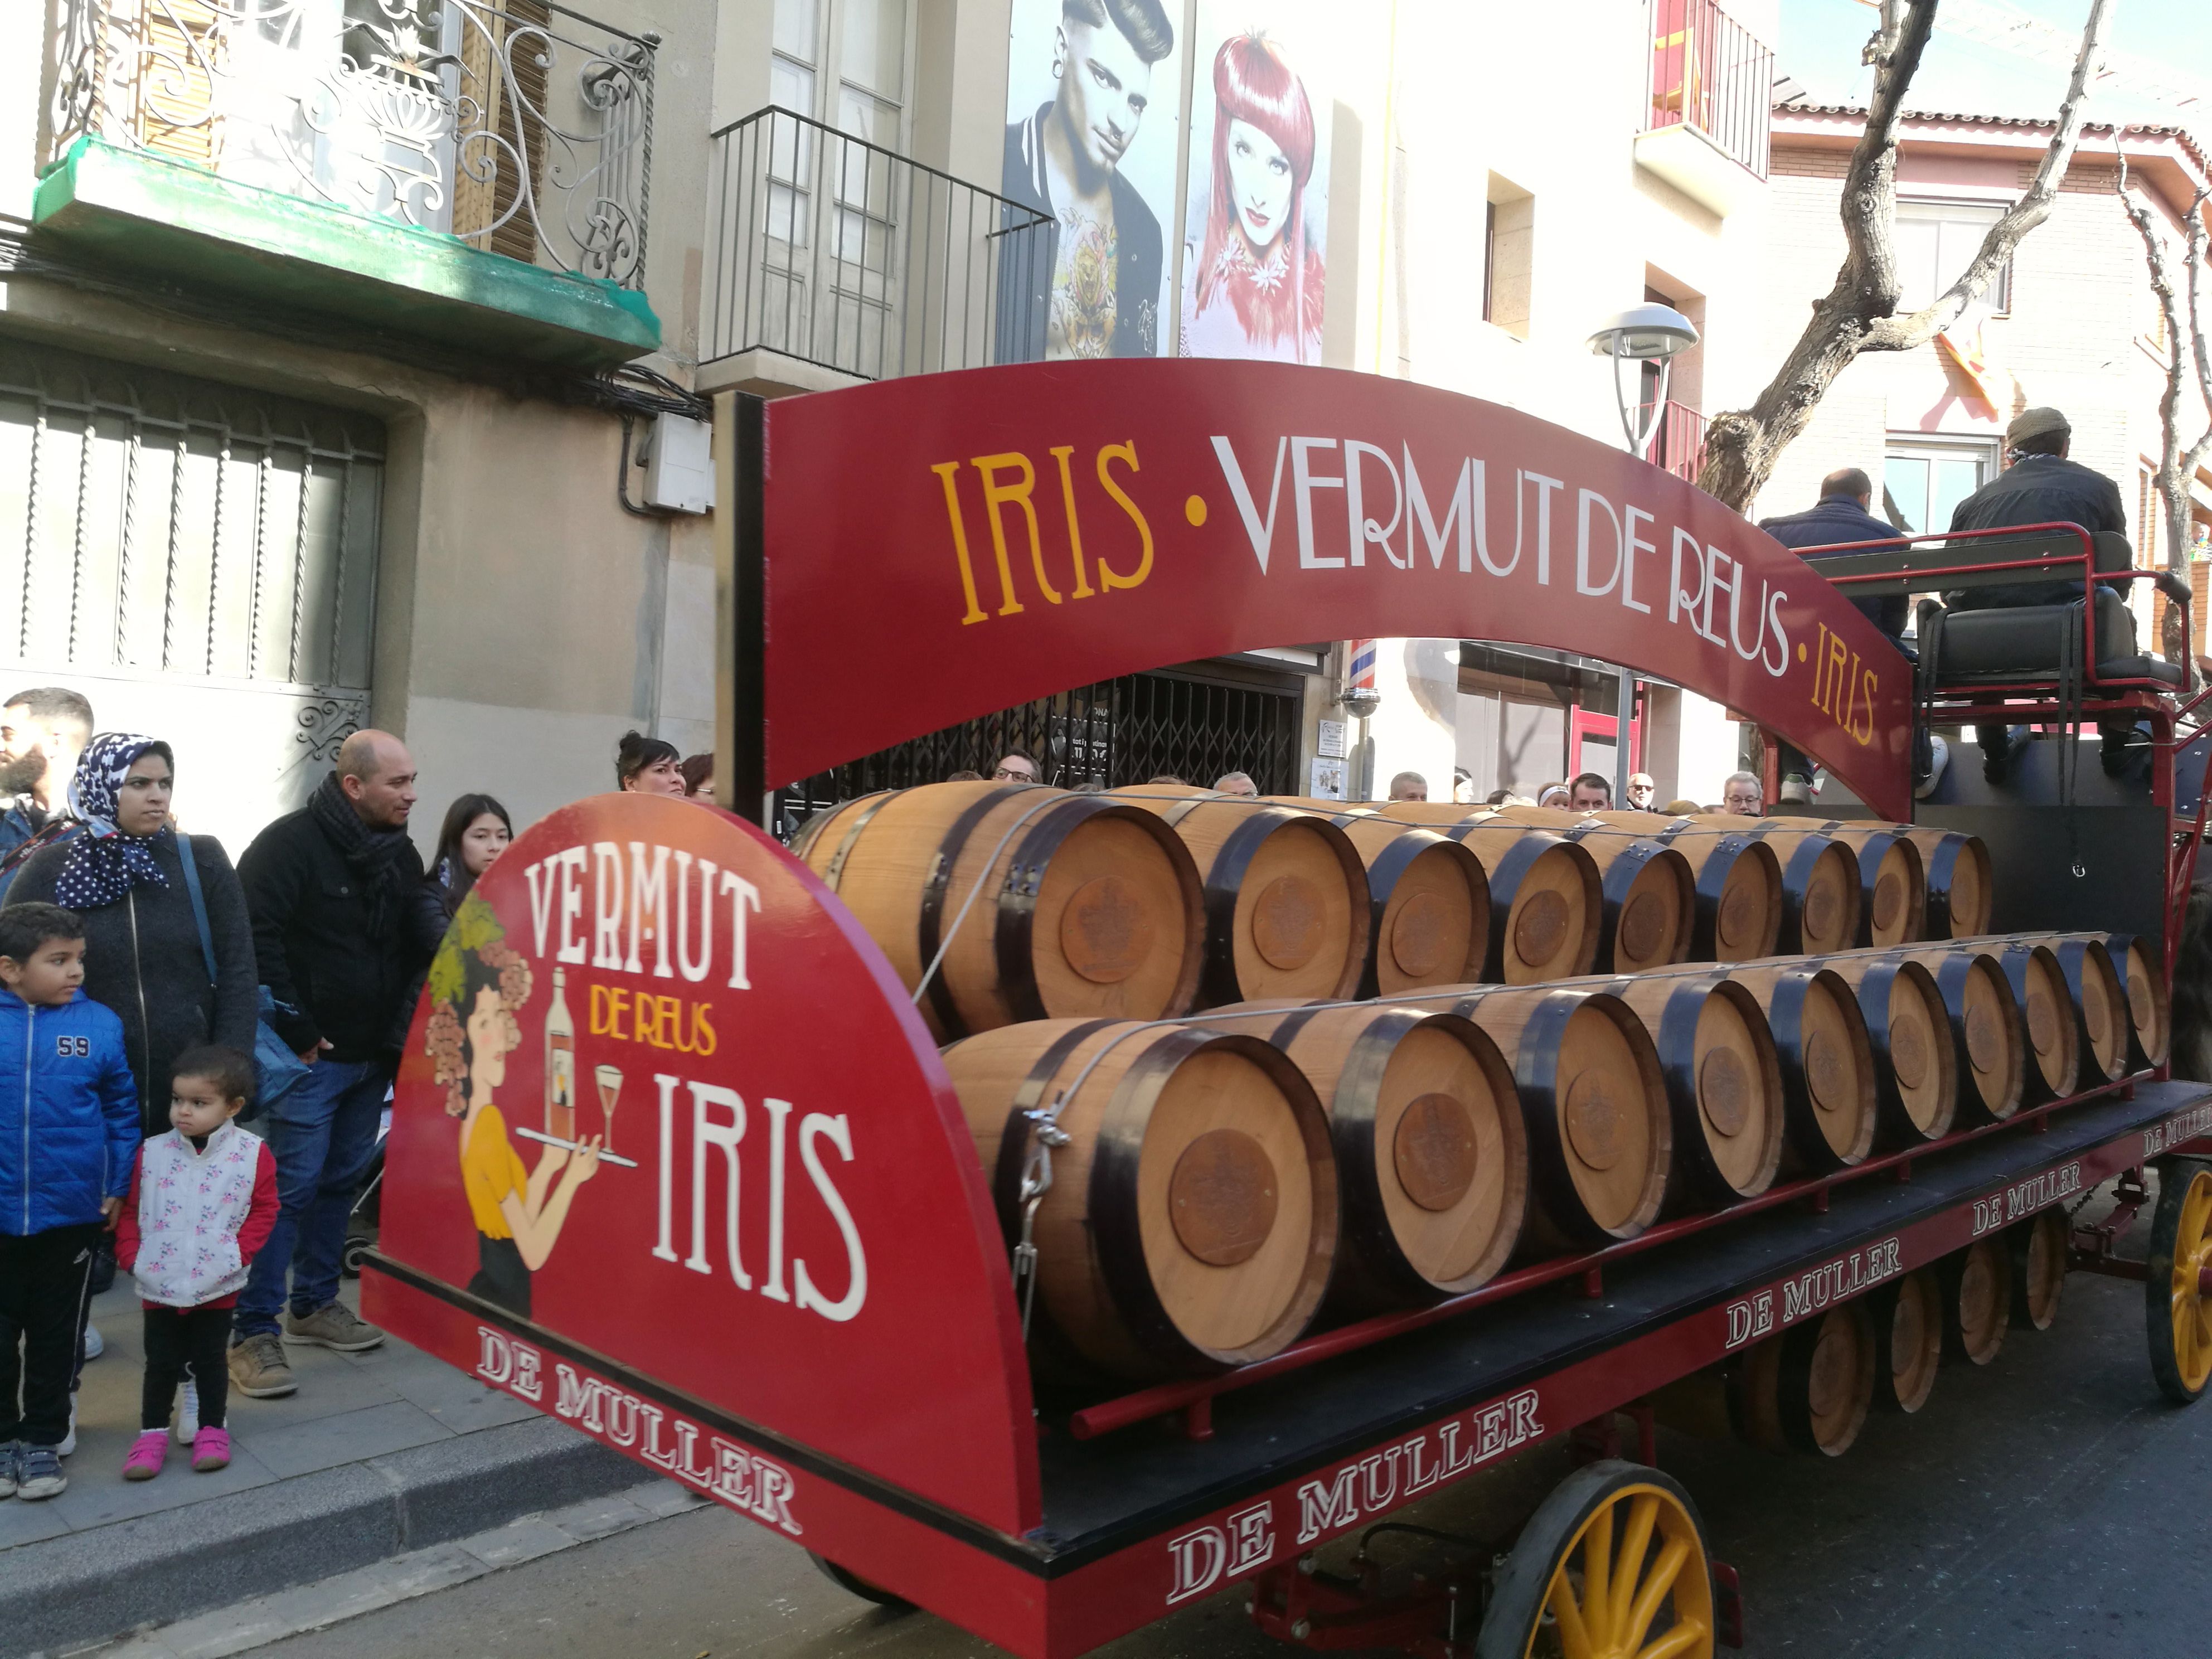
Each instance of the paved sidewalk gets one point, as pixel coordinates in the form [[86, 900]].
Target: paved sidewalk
[[350, 1407], [377, 1453]]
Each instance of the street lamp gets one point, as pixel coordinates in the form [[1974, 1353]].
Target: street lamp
[[1642, 334]]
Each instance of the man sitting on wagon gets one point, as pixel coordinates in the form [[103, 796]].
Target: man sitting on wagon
[[1841, 518], [2041, 485]]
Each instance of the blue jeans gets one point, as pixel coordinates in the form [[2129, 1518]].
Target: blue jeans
[[323, 1135]]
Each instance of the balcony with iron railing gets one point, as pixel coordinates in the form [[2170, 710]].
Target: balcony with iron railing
[[1708, 95], [832, 259], [1678, 441], [471, 170]]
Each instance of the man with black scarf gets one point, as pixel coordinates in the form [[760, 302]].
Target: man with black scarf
[[330, 889]]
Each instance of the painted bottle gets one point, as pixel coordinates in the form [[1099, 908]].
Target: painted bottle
[[560, 1064]]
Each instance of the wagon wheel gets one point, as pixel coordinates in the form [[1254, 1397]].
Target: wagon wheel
[[1612, 1566], [2178, 1315], [856, 1584]]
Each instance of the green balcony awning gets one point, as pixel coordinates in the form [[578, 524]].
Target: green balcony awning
[[191, 226]]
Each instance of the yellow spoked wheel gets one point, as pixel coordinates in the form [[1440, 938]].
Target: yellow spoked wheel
[[2178, 1315], [1612, 1566]]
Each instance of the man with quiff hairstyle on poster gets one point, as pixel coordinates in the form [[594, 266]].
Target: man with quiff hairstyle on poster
[[1095, 281]]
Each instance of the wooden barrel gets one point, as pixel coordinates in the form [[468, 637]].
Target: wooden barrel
[[2046, 1015], [1428, 907], [1915, 1060], [1723, 1083], [1808, 1389], [1431, 1151], [1737, 914], [2039, 1247], [1988, 1046], [1287, 902], [2150, 1013], [1827, 1063], [1908, 1338], [1547, 903], [1819, 885], [1976, 1299], [1649, 894], [1191, 1218], [1055, 905], [1600, 1140], [1893, 884], [2102, 1028], [1959, 889]]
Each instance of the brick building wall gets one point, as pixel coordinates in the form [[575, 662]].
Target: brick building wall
[[2070, 337]]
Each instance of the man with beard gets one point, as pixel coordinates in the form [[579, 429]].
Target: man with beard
[[42, 732], [332, 891], [1093, 282]]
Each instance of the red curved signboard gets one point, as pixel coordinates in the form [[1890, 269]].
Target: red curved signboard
[[943, 546], [663, 1098]]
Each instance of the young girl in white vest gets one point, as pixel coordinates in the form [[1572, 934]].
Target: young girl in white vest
[[202, 1201]]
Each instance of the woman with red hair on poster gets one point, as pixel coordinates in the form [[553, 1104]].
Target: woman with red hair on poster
[[1256, 287]]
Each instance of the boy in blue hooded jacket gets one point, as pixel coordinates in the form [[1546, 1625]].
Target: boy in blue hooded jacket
[[69, 1136]]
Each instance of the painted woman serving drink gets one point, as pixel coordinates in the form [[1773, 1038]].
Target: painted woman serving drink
[[477, 984]]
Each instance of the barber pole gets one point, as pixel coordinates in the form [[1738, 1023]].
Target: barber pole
[[1361, 675]]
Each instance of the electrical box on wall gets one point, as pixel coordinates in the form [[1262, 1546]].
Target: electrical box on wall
[[679, 464]]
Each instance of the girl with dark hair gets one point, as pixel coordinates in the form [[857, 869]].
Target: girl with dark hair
[[476, 831], [647, 766], [1256, 286]]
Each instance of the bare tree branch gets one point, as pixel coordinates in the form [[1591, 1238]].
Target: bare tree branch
[[1904, 333], [1859, 313], [2177, 466]]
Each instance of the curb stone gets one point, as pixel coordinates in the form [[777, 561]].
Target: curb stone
[[67, 1593]]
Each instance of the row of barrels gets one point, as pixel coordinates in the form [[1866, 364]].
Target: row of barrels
[[999, 903], [1217, 1178], [1811, 1386]]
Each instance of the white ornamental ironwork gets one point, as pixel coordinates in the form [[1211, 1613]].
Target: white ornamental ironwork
[[518, 125]]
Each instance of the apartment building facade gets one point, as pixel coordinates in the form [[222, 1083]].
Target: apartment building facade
[[2071, 322], [314, 322]]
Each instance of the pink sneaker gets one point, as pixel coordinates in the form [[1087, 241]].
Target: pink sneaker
[[210, 1450], [143, 1461]]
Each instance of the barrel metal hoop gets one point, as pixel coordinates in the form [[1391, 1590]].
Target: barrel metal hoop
[[929, 925], [869, 806], [1116, 1230], [1018, 894], [1183, 809], [1223, 878], [1383, 876], [1536, 1079], [1504, 888], [1366, 1230]]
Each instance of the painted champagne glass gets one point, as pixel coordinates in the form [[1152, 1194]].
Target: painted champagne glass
[[609, 1081]]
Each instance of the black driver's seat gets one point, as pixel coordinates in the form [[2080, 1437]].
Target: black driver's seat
[[1997, 634]]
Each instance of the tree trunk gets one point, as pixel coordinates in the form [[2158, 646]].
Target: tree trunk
[[1859, 313]]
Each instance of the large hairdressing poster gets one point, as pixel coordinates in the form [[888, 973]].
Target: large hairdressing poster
[[1092, 88], [1256, 227]]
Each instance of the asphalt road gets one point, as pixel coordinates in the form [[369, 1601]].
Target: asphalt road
[[2045, 1505]]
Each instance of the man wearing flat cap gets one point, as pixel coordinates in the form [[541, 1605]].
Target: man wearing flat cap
[[2040, 486]]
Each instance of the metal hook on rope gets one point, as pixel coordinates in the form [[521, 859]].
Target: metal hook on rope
[[1037, 1181]]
